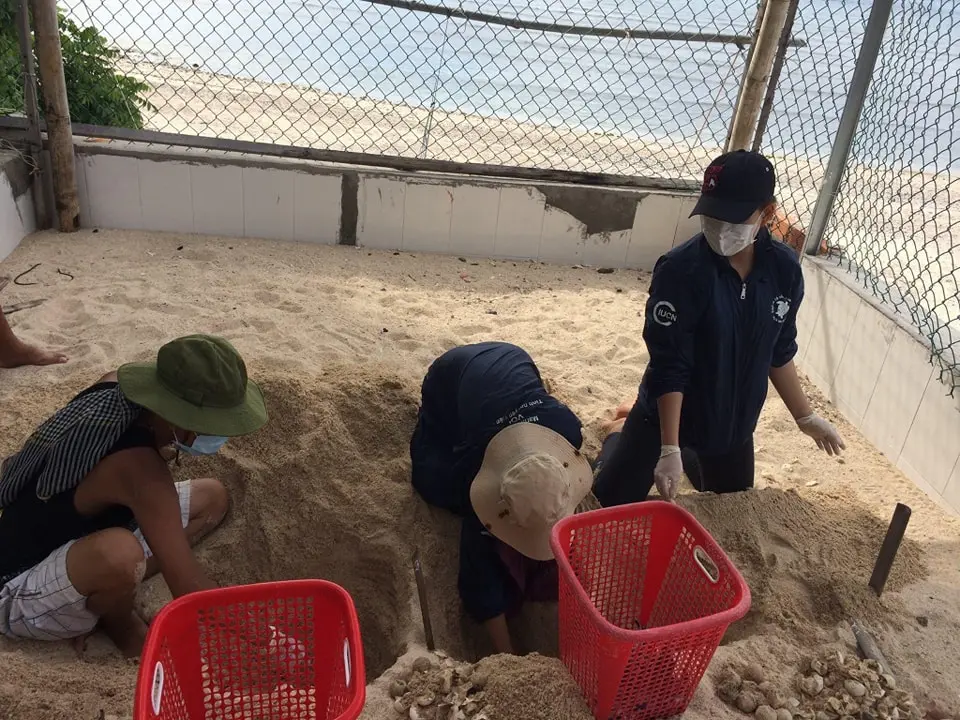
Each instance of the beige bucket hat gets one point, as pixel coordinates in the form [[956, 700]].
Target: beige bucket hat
[[530, 479]]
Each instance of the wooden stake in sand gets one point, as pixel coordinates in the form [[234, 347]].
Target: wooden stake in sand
[[424, 607], [888, 551]]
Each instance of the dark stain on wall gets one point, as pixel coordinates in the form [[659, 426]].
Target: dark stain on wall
[[17, 172], [599, 209], [349, 208]]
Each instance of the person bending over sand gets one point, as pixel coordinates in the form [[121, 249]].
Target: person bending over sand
[[494, 447], [16, 353], [88, 506]]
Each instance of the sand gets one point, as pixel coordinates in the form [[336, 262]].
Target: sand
[[340, 339], [868, 227]]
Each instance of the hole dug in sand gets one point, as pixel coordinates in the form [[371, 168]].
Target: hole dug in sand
[[323, 491]]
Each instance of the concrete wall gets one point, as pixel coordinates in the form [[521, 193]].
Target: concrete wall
[[16, 205], [876, 369], [147, 187]]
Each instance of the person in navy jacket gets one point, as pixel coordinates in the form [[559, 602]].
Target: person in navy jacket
[[494, 447], [720, 323]]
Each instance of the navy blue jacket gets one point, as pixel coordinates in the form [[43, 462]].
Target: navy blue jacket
[[715, 337], [469, 394]]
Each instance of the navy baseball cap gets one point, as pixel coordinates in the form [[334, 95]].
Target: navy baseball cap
[[735, 186]]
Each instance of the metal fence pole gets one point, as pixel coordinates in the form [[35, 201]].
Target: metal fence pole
[[857, 94], [31, 106]]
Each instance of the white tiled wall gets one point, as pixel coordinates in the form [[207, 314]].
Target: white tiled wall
[[654, 229], [831, 330], [608, 249], [563, 239], [509, 221], [473, 225], [217, 200], [427, 213], [112, 184], [174, 195], [316, 208], [381, 204], [482, 218], [879, 375], [519, 223], [16, 217], [166, 196]]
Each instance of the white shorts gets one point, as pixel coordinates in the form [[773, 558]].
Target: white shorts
[[42, 604]]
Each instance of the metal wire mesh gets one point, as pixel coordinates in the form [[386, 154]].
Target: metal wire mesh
[[809, 100], [896, 221], [360, 76]]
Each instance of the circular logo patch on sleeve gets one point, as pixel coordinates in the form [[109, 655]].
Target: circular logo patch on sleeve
[[664, 313], [779, 308]]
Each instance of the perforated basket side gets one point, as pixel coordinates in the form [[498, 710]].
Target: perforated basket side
[[645, 598], [285, 651]]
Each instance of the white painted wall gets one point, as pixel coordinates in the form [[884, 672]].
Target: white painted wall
[[140, 187], [174, 194], [877, 371], [16, 216], [510, 220]]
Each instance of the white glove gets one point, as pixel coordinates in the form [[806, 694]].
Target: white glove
[[668, 471], [823, 432]]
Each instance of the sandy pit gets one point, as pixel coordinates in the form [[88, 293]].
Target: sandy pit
[[340, 339]]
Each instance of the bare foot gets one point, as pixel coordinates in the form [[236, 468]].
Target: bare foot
[[127, 631], [19, 354], [609, 427], [623, 409]]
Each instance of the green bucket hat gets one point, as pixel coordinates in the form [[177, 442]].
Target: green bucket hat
[[198, 383]]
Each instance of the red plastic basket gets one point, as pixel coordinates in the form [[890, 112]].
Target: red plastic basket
[[645, 598], [276, 651]]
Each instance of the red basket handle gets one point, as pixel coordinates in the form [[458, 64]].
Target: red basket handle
[[706, 563]]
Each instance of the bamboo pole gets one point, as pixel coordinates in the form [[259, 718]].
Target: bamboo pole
[[757, 23], [768, 40], [778, 63], [56, 113]]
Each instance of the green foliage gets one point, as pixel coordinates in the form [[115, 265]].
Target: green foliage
[[11, 76], [97, 93]]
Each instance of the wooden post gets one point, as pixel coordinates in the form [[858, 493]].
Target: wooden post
[[748, 109], [56, 113], [757, 24], [889, 548], [774, 81]]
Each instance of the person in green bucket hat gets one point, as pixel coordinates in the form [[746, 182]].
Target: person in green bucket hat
[[88, 506]]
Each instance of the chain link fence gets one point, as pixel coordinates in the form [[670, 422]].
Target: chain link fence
[[641, 88], [644, 88], [896, 220], [809, 100]]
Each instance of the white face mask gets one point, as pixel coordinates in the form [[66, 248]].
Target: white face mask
[[728, 239]]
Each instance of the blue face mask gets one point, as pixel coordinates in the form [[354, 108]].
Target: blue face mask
[[202, 445]]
